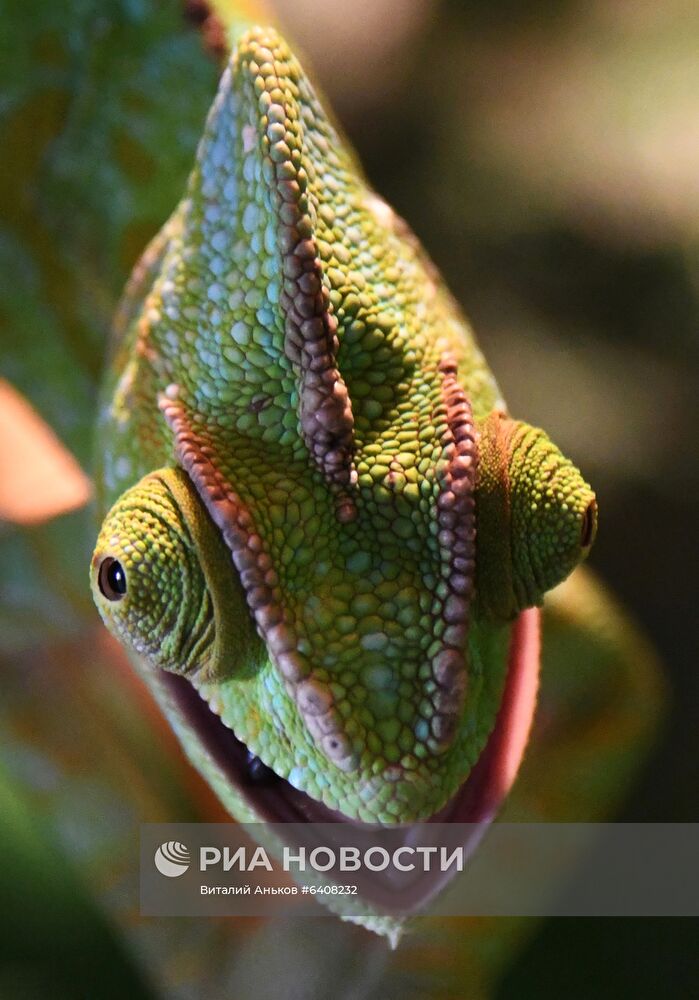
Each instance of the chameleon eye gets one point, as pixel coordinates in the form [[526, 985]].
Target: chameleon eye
[[111, 579], [587, 529]]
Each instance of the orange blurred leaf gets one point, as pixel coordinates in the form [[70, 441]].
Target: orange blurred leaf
[[39, 478]]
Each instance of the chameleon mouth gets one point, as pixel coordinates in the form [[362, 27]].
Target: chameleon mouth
[[275, 800]]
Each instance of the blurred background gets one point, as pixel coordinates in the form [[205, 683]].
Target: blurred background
[[547, 155]]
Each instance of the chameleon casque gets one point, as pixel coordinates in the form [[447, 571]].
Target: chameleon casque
[[325, 529]]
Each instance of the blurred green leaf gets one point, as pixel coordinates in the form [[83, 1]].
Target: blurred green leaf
[[57, 941]]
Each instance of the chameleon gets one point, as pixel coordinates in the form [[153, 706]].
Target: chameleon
[[325, 540]]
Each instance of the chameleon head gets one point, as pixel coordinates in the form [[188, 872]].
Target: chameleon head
[[537, 517], [310, 569], [156, 574]]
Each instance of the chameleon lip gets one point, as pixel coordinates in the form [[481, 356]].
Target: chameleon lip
[[476, 802]]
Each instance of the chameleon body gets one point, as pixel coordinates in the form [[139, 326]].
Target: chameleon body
[[323, 521]]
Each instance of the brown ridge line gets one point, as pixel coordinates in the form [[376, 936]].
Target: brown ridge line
[[456, 519], [260, 584], [310, 342]]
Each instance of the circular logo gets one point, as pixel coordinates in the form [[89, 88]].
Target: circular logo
[[172, 859]]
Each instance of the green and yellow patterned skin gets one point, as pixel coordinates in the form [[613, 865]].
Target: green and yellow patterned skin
[[322, 517]]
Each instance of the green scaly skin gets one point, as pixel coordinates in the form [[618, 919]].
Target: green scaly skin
[[323, 517]]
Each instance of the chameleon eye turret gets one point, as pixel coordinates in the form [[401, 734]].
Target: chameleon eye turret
[[158, 572], [536, 515]]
